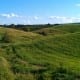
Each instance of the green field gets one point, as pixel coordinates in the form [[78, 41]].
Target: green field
[[51, 53]]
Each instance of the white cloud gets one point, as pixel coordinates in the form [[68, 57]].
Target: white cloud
[[57, 17], [78, 5], [27, 21], [63, 19], [12, 15], [67, 20], [15, 15], [36, 17], [5, 15], [51, 17]]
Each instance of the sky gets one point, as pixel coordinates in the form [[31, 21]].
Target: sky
[[39, 11]]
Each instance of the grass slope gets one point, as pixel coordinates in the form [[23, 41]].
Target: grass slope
[[60, 29], [31, 56]]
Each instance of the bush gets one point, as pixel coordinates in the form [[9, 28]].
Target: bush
[[5, 38]]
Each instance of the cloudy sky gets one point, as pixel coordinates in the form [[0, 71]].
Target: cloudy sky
[[39, 11]]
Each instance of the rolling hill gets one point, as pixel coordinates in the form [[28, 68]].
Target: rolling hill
[[51, 53]]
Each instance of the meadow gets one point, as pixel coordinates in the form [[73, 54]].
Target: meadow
[[48, 52]]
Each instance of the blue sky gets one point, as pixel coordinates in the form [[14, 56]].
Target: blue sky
[[39, 11]]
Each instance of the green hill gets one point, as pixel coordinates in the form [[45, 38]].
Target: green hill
[[60, 29], [45, 54]]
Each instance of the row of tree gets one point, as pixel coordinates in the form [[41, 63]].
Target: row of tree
[[29, 27]]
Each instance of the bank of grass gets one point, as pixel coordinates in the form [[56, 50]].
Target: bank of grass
[[32, 56]]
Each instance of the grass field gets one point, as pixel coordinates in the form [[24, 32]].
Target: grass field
[[45, 54]]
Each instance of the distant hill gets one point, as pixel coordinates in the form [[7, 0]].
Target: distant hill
[[47, 53]]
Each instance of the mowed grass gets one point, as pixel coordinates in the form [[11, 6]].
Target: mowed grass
[[31, 56]]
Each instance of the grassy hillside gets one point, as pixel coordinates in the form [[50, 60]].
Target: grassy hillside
[[59, 29], [35, 56]]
